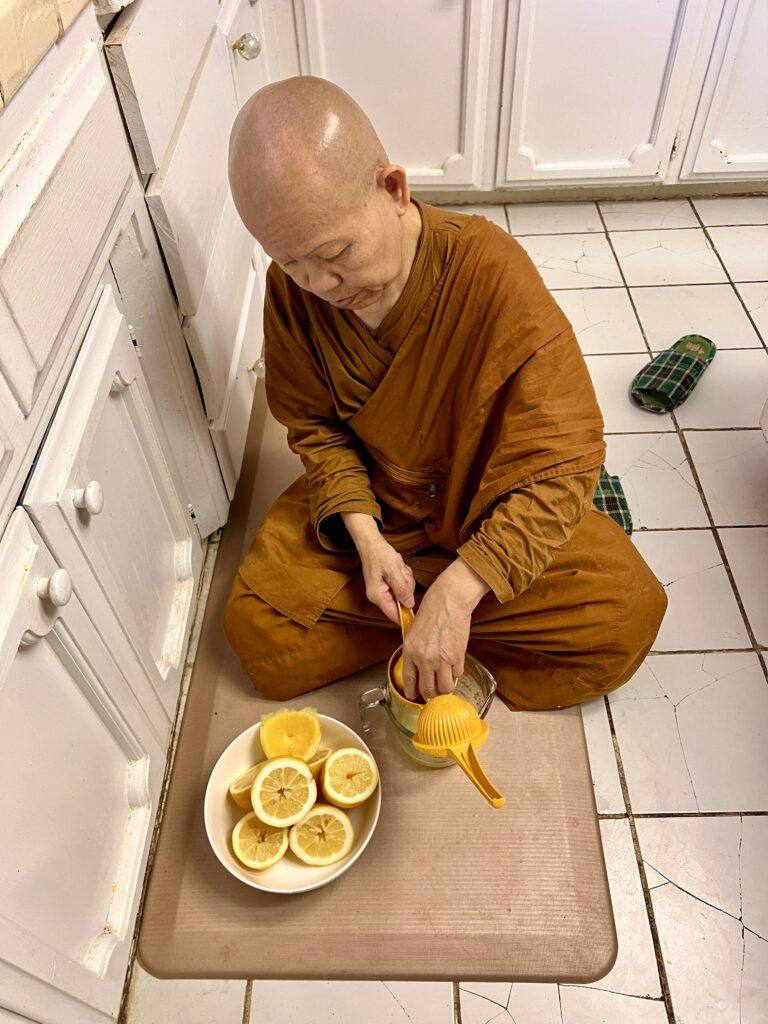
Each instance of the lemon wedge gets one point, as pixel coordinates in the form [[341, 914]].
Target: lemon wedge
[[350, 776], [317, 761], [240, 789], [283, 791], [258, 845], [290, 733], [323, 837]]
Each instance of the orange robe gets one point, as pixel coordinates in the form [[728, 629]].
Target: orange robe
[[465, 424]]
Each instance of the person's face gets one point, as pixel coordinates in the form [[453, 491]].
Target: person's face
[[346, 255]]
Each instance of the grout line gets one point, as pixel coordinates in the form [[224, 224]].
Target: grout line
[[660, 965], [247, 1002], [456, 1002], [624, 279], [705, 650], [659, 284], [705, 228], [701, 814]]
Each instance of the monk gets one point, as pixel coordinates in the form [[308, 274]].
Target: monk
[[448, 429]]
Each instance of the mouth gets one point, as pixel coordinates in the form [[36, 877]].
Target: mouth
[[343, 303]]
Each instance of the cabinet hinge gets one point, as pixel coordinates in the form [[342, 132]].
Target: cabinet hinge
[[132, 334], [675, 146]]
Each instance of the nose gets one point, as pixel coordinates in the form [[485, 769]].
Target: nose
[[322, 281]]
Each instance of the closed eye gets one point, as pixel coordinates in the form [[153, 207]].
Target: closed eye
[[339, 255]]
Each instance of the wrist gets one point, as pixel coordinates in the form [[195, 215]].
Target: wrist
[[463, 585], [362, 528]]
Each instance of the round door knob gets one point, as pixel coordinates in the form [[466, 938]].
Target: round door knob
[[248, 46], [56, 588], [90, 497]]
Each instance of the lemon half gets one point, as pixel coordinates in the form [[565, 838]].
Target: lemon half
[[240, 788], [290, 733], [257, 845], [283, 791], [323, 837], [350, 776]]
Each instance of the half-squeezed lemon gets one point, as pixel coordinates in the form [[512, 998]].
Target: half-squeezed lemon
[[323, 837], [258, 845], [290, 733], [240, 789], [349, 777], [283, 791]]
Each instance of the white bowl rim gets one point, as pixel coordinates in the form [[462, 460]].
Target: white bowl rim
[[344, 864]]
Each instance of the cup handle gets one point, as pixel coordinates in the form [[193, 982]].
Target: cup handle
[[466, 758], [375, 698]]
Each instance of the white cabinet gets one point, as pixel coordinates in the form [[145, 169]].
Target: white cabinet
[[82, 768], [594, 91], [730, 132], [103, 497], [420, 71]]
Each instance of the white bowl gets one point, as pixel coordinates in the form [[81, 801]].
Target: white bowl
[[289, 875]]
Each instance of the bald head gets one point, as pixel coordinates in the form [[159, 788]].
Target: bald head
[[301, 136]]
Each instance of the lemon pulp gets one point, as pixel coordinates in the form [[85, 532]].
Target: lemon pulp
[[283, 791], [323, 837], [290, 733], [350, 776], [258, 845]]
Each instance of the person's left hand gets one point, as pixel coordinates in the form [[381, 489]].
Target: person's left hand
[[434, 648]]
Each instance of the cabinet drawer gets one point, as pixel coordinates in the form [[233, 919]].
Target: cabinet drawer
[[83, 770], [187, 194], [153, 51], [103, 497]]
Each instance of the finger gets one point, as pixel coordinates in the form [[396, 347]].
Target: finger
[[410, 678], [380, 595], [444, 682], [427, 684], [402, 583]]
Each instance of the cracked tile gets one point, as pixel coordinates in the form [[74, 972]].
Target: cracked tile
[[573, 261], [714, 310], [632, 215], [692, 731], [349, 1002], [495, 214], [756, 300], [611, 377], [657, 480], [505, 1003], [743, 250], [716, 967], [733, 469], [731, 393], [679, 256], [733, 210], [754, 877], [602, 759], [553, 218], [587, 1006], [702, 614], [154, 1001], [603, 320], [747, 554]]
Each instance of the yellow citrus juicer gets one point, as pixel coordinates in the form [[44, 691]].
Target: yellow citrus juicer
[[449, 726]]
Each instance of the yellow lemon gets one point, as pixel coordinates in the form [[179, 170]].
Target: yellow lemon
[[290, 733], [350, 776], [240, 789], [323, 837], [317, 761], [283, 791], [258, 845]]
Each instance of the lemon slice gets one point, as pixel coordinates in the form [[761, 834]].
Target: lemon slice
[[290, 733], [283, 791], [323, 837], [240, 789], [317, 761], [258, 845], [350, 776]]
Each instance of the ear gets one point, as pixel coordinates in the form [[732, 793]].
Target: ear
[[393, 179]]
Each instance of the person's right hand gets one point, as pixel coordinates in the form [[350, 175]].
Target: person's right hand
[[387, 578]]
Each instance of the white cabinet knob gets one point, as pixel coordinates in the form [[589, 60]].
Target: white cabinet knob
[[90, 497], [248, 46], [56, 588]]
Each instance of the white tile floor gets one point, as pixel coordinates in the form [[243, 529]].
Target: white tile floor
[[679, 753]]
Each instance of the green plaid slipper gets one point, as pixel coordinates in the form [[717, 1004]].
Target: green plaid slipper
[[671, 376], [610, 498]]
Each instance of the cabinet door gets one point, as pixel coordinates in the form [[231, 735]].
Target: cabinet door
[[594, 91], [103, 497], [82, 770], [729, 138], [420, 72], [244, 26]]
